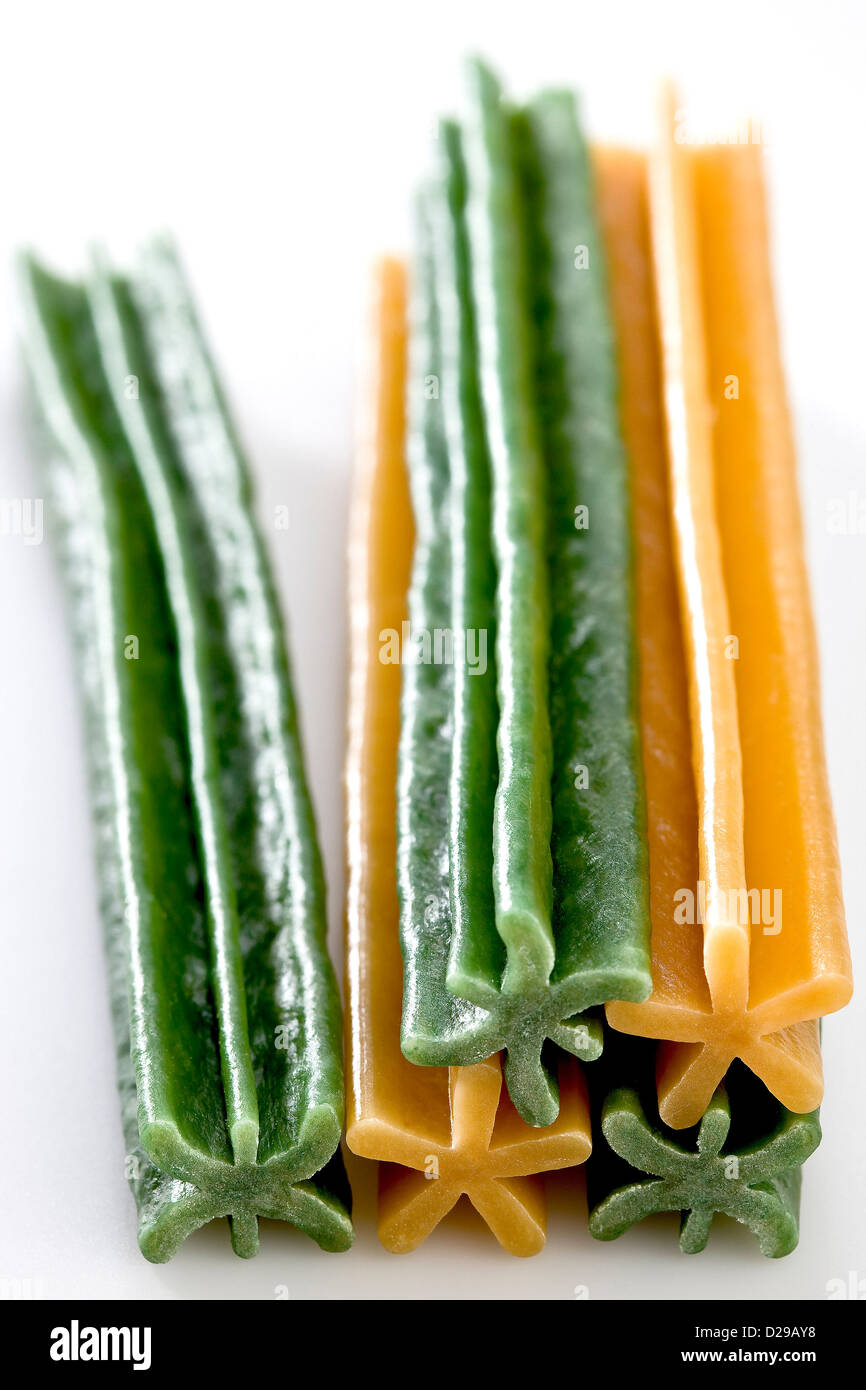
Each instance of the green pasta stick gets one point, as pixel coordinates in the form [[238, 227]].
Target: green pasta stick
[[522, 809], [224, 1002], [743, 1160], [458, 962], [600, 860], [427, 697], [600, 923], [477, 956]]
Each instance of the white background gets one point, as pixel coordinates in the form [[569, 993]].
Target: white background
[[281, 143]]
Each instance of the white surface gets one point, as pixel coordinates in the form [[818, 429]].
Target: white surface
[[281, 148]]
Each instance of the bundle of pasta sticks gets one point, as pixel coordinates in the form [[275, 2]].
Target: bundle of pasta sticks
[[594, 903]]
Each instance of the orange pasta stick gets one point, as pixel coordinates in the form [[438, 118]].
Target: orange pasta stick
[[439, 1132], [672, 817], [799, 965], [771, 960]]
